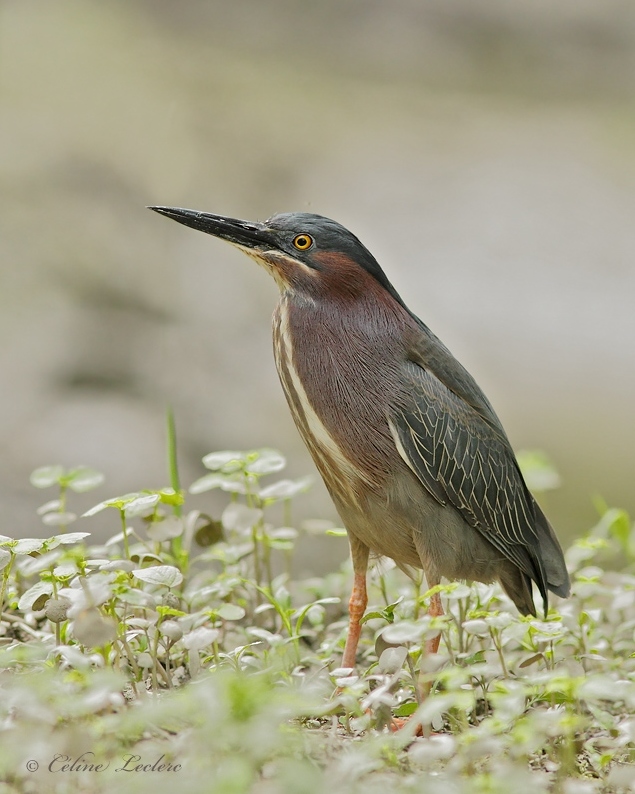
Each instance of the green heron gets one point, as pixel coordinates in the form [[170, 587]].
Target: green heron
[[410, 449]]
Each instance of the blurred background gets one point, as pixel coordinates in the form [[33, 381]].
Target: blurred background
[[484, 150]]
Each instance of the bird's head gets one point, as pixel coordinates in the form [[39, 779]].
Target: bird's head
[[308, 255]]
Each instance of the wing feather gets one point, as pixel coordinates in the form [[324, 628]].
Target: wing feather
[[460, 453]]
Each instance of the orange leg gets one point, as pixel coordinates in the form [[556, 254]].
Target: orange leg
[[358, 601], [435, 610]]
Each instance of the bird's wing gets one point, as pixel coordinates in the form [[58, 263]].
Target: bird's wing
[[448, 434]]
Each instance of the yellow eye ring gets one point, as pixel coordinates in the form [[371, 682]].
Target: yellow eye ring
[[303, 241]]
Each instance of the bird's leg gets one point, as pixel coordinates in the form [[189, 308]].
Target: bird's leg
[[358, 601], [424, 685], [431, 646], [435, 610]]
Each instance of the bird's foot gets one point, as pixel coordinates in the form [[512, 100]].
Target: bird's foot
[[408, 723], [401, 723]]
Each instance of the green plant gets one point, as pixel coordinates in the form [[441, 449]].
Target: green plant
[[183, 641]]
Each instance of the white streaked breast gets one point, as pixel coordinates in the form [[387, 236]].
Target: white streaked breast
[[324, 449]]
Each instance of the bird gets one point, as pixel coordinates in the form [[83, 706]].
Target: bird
[[410, 449]]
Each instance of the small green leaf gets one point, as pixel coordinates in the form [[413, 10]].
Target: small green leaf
[[65, 570], [284, 489], [531, 660], [143, 504], [66, 539], [265, 461], [27, 545], [499, 621], [225, 461], [118, 502], [388, 612], [28, 599], [40, 602], [206, 483], [372, 616], [238, 483], [170, 611], [391, 659], [83, 479], [230, 612], [238, 517], [284, 533], [46, 476], [58, 519], [48, 507], [475, 658], [455, 591], [165, 529], [404, 631], [281, 545], [477, 627], [619, 526], [96, 509], [200, 638], [169, 496], [171, 629], [405, 710], [211, 532], [166, 575]]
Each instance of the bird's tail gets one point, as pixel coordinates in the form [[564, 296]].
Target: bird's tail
[[552, 556]]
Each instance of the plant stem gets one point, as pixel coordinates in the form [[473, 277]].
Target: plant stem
[[62, 507], [5, 580], [173, 463], [496, 640], [126, 547], [257, 571]]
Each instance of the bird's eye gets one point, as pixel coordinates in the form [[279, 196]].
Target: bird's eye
[[302, 242]]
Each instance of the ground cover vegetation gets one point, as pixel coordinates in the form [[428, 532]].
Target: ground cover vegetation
[[182, 653]]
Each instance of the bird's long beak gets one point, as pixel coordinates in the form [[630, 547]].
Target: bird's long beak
[[242, 233]]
